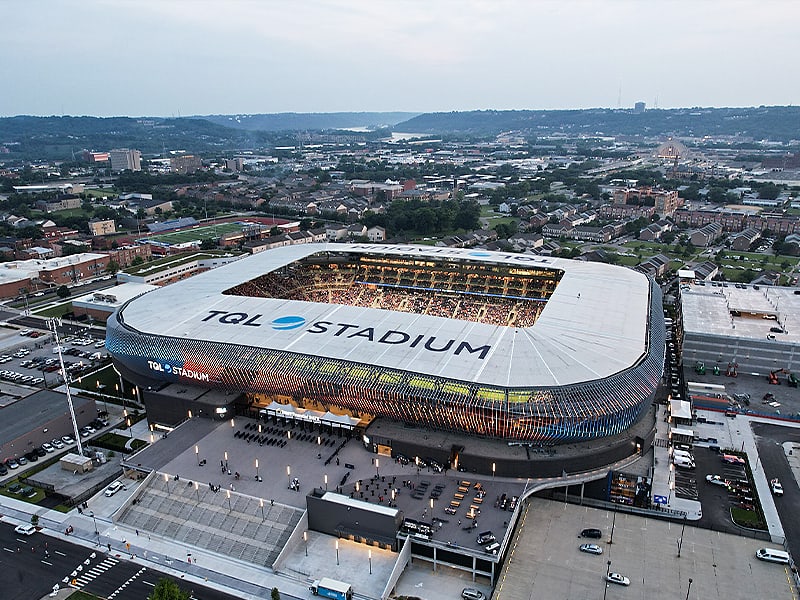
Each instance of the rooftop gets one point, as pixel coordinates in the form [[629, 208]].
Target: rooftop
[[593, 326]]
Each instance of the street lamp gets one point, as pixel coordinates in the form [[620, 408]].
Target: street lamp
[[166, 482], [689, 588], [305, 539], [680, 540], [326, 482], [96, 531], [197, 491], [197, 454], [370, 561], [613, 524], [337, 552], [494, 468], [377, 468], [608, 570], [228, 493], [226, 459], [289, 474], [261, 504], [257, 478]]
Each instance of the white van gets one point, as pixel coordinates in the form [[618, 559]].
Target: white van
[[683, 454], [682, 463], [771, 555]]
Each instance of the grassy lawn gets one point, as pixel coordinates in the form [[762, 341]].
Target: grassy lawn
[[747, 518], [55, 311], [630, 261], [98, 193], [504, 220]]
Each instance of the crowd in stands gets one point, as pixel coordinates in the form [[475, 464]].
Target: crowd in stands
[[512, 301]]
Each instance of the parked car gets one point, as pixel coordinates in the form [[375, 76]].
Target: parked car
[[776, 487], [48, 447], [57, 443], [472, 594], [12, 463], [617, 578], [716, 480], [592, 533], [732, 459], [591, 548]]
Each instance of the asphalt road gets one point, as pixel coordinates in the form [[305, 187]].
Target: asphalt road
[[27, 573], [773, 460]]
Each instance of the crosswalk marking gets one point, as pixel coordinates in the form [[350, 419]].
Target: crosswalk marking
[[81, 578]]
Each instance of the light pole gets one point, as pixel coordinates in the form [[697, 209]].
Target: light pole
[[370, 561], [261, 504], [166, 482], [689, 588], [337, 552], [326, 482], [289, 474], [680, 540], [96, 531], [377, 468], [228, 493], [305, 539], [613, 524], [257, 479], [608, 570], [197, 454], [197, 490], [494, 468]]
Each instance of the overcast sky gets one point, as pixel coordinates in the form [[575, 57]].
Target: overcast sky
[[171, 57]]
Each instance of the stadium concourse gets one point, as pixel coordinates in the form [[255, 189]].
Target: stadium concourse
[[511, 347]]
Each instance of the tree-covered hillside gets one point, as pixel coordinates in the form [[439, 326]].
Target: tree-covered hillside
[[780, 123]]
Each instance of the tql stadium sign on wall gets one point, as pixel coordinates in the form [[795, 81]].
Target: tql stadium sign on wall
[[353, 331]]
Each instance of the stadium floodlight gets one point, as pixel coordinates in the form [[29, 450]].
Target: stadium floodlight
[[53, 324]]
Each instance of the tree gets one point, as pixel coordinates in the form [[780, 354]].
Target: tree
[[207, 244], [137, 260], [112, 267], [275, 595], [63, 292], [166, 589]]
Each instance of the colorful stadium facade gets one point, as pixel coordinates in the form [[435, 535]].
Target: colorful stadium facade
[[503, 345]]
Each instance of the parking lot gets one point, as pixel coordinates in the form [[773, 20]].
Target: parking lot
[[546, 561], [29, 357]]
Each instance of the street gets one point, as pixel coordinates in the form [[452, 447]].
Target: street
[[31, 565]]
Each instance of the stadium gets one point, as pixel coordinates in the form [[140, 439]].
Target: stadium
[[507, 346]]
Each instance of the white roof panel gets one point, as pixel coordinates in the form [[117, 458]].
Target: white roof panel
[[594, 325]]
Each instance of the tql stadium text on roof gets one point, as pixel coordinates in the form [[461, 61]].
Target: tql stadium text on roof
[[473, 341]]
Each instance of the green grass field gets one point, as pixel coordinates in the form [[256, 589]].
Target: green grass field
[[196, 233]]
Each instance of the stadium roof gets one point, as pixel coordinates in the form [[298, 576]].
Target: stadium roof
[[594, 325]]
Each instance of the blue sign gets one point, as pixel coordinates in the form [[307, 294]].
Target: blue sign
[[284, 323], [659, 499], [481, 254]]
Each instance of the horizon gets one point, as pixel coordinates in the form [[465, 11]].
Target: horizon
[[411, 112], [155, 58]]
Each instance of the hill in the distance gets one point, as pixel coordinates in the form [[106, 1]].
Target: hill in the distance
[[780, 123], [310, 121]]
